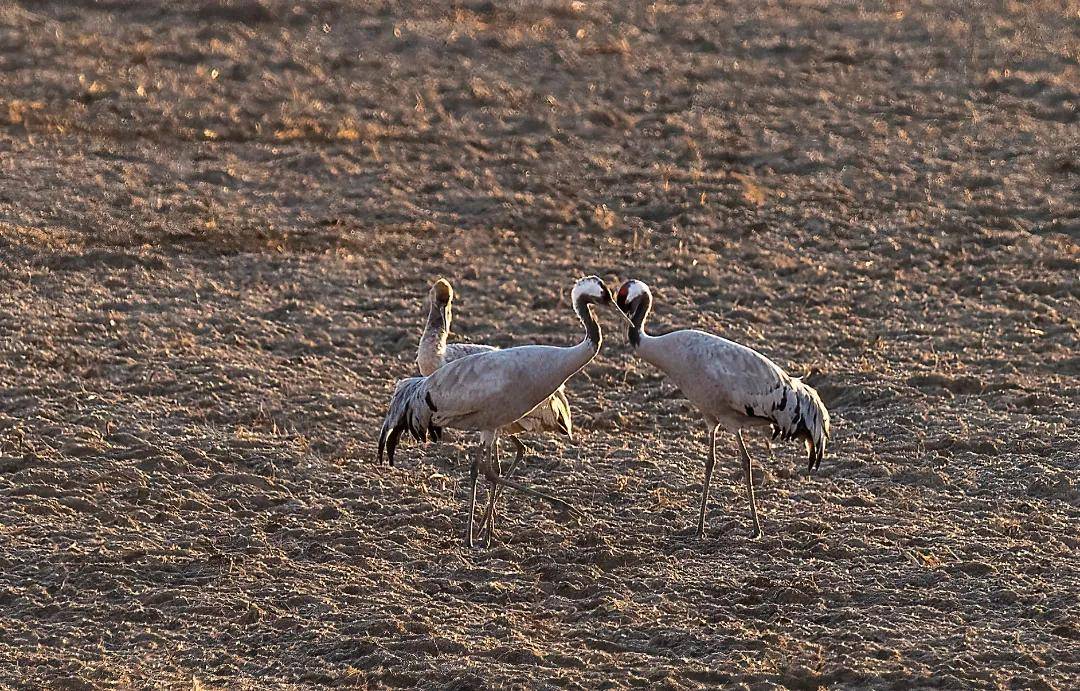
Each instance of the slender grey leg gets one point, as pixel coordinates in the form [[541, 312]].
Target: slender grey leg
[[473, 474], [709, 463], [521, 450], [489, 519], [494, 471], [488, 529], [565, 506], [748, 473]]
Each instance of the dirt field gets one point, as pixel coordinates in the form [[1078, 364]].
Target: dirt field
[[218, 222]]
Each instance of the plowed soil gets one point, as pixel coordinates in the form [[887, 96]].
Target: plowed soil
[[218, 223]]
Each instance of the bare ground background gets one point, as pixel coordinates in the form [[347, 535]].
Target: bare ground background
[[218, 221]]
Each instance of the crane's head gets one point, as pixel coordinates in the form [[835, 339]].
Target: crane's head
[[634, 300], [591, 290], [631, 294], [442, 293]]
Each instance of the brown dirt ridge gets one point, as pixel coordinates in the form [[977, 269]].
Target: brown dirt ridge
[[218, 224]]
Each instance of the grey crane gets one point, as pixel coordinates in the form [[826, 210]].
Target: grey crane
[[732, 386], [433, 351], [486, 391]]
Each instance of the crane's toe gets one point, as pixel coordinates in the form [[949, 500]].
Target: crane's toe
[[756, 534], [573, 511]]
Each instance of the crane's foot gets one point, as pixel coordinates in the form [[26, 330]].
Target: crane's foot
[[573, 511], [558, 503], [756, 533]]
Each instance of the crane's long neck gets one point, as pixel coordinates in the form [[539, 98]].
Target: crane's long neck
[[436, 330], [640, 312], [592, 329]]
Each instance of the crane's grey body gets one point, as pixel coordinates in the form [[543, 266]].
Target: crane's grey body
[[552, 415], [720, 377], [488, 390], [733, 387]]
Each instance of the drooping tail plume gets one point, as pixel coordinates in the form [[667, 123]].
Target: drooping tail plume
[[411, 408], [800, 414]]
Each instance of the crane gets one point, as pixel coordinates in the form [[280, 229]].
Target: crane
[[733, 387]]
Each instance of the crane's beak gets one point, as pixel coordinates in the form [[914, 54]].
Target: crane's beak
[[607, 298], [622, 314]]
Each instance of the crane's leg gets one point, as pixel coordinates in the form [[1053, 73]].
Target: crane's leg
[[480, 464], [489, 519], [521, 451], [709, 463], [748, 473], [565, 506], [494, 471], [474, 472]]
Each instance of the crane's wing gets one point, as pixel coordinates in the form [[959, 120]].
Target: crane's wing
[[490, 389], [757, 387], [750, 380]]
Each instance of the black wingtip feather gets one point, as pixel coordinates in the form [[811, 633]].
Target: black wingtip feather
[[410, 409], [815, 456], [382, 444], [392, 441]]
